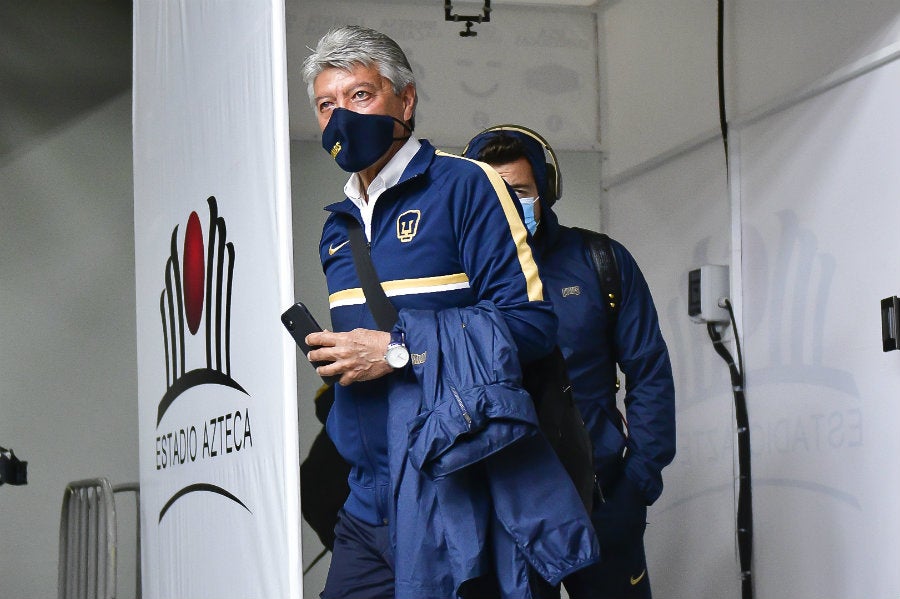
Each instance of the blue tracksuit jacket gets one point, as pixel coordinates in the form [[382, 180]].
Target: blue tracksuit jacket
[[478, 489], [571, 283], [447, 235]]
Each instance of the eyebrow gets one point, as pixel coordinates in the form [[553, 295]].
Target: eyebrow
[[361, 84], [366, 84]]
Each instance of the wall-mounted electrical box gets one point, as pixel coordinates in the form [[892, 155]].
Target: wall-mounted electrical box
[[890, 323], [707, 287]]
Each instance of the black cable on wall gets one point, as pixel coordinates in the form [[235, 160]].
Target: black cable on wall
[[745, 497], [720, 61]]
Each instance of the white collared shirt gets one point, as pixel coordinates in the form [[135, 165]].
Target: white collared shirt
[[386, 178]]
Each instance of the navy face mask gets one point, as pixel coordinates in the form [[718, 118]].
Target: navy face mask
[[356, 141]]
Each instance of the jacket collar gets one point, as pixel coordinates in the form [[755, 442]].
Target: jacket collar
[[416, 167], [548, 230]]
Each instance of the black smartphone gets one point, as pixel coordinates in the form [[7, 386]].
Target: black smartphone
[[299, 322]]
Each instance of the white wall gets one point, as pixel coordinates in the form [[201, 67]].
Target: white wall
[[807, 228], [657, 66], [672, 219], [68, 381], [819, 203]]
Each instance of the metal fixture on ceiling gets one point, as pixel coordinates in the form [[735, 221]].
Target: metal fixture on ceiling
[[484, 17]]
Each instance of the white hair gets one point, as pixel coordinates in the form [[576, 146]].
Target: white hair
[[350, 46]]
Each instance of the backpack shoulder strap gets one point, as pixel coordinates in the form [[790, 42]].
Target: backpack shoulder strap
[[607, 270], [611, 288]]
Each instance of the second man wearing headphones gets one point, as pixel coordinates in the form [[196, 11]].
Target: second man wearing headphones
[[628, 458]]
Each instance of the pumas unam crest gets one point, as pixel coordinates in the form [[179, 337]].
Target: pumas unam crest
[[408, 225]]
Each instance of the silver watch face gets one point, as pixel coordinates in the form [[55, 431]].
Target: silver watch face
[[397, 355]]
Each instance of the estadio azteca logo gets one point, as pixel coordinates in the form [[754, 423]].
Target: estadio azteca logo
[[195, 312]]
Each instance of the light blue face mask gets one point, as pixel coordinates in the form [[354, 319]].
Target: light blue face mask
[[528, 209]]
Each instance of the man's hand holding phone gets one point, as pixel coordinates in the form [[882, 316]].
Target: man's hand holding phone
[[356, 355], [345, 358], [299, 322]]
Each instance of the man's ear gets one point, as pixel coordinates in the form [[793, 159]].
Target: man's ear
[[408, 97]]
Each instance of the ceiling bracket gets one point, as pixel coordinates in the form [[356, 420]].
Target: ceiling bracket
[[470, 20]]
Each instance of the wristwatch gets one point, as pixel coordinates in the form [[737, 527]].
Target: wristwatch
[[397, 356]]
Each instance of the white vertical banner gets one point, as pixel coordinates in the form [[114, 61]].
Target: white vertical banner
[[216, 371]]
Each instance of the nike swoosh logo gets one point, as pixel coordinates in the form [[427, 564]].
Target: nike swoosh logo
[[332, 249], [634, 580]]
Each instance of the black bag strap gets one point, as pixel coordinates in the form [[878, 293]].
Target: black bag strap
[[607, 270], [381, 307], [610, 287]]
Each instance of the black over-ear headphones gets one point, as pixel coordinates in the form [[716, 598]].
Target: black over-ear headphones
[[554, 179]]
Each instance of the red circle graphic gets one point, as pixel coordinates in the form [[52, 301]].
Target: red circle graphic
[[193, 272]]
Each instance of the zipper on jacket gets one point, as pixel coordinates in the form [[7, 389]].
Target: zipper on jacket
[[599, 489], [462, 408]]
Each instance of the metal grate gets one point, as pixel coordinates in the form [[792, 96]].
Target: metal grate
[[87, 540]]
